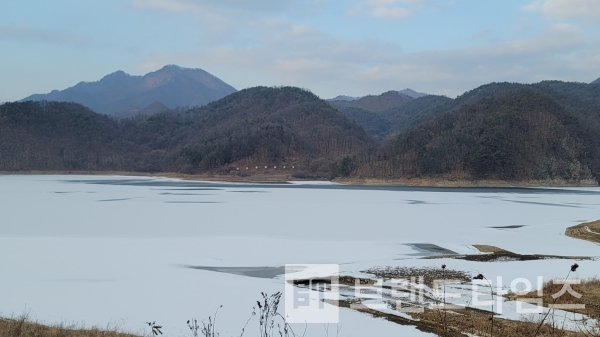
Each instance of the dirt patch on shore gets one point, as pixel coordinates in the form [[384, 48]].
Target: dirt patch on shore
[[589, 231], [496, 254], [491, 249]]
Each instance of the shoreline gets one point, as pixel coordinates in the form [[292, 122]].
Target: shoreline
[[282, 178], [587, 231]]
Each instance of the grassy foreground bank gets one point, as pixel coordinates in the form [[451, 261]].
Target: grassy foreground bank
[[23, 326]]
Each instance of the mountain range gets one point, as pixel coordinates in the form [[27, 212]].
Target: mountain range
[[379, 103], [408, 92], [121, 93], [542, 132]]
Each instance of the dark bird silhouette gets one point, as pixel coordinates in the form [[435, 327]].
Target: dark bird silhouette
[[574, 267]]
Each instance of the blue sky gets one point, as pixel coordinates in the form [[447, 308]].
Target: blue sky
[[354, 48]]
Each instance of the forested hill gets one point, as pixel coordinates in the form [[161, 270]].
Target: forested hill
[[61, 136], [254, 127], [549, 131], [257, 126]]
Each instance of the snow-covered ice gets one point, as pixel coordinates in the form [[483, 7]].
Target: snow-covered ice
[[109, 249]]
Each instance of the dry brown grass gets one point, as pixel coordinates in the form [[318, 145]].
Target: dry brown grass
[[468, 321], [589, 290], [478, 322], [22, 326], [491, 249], [582, 231]]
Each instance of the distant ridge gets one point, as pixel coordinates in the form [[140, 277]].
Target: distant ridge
[[412, 93], [343, 98], [596, 81], [379, 103], [171, 86]]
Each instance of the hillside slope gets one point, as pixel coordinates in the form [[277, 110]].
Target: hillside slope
[[518, 135], [60, 136], [256, 126], [381, 124]]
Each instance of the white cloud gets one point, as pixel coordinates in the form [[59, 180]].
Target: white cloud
[[331, 66], [386, 9], [235, 8], [270, 50], [32, 34], [480, 33], [245, 5], [221, 22], [567, 9], [390, 13], [172, 6]]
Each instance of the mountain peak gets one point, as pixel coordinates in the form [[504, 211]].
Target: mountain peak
[[116, 76], [118, 73], [344, 98], [387, 100], [596, 81], [174, 67], [392, 93], [411, 93], [172, 86]]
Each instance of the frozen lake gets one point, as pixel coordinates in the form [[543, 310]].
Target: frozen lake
[[106, 249]]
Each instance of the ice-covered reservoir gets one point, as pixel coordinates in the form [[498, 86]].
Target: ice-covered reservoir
[[101, 250]]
